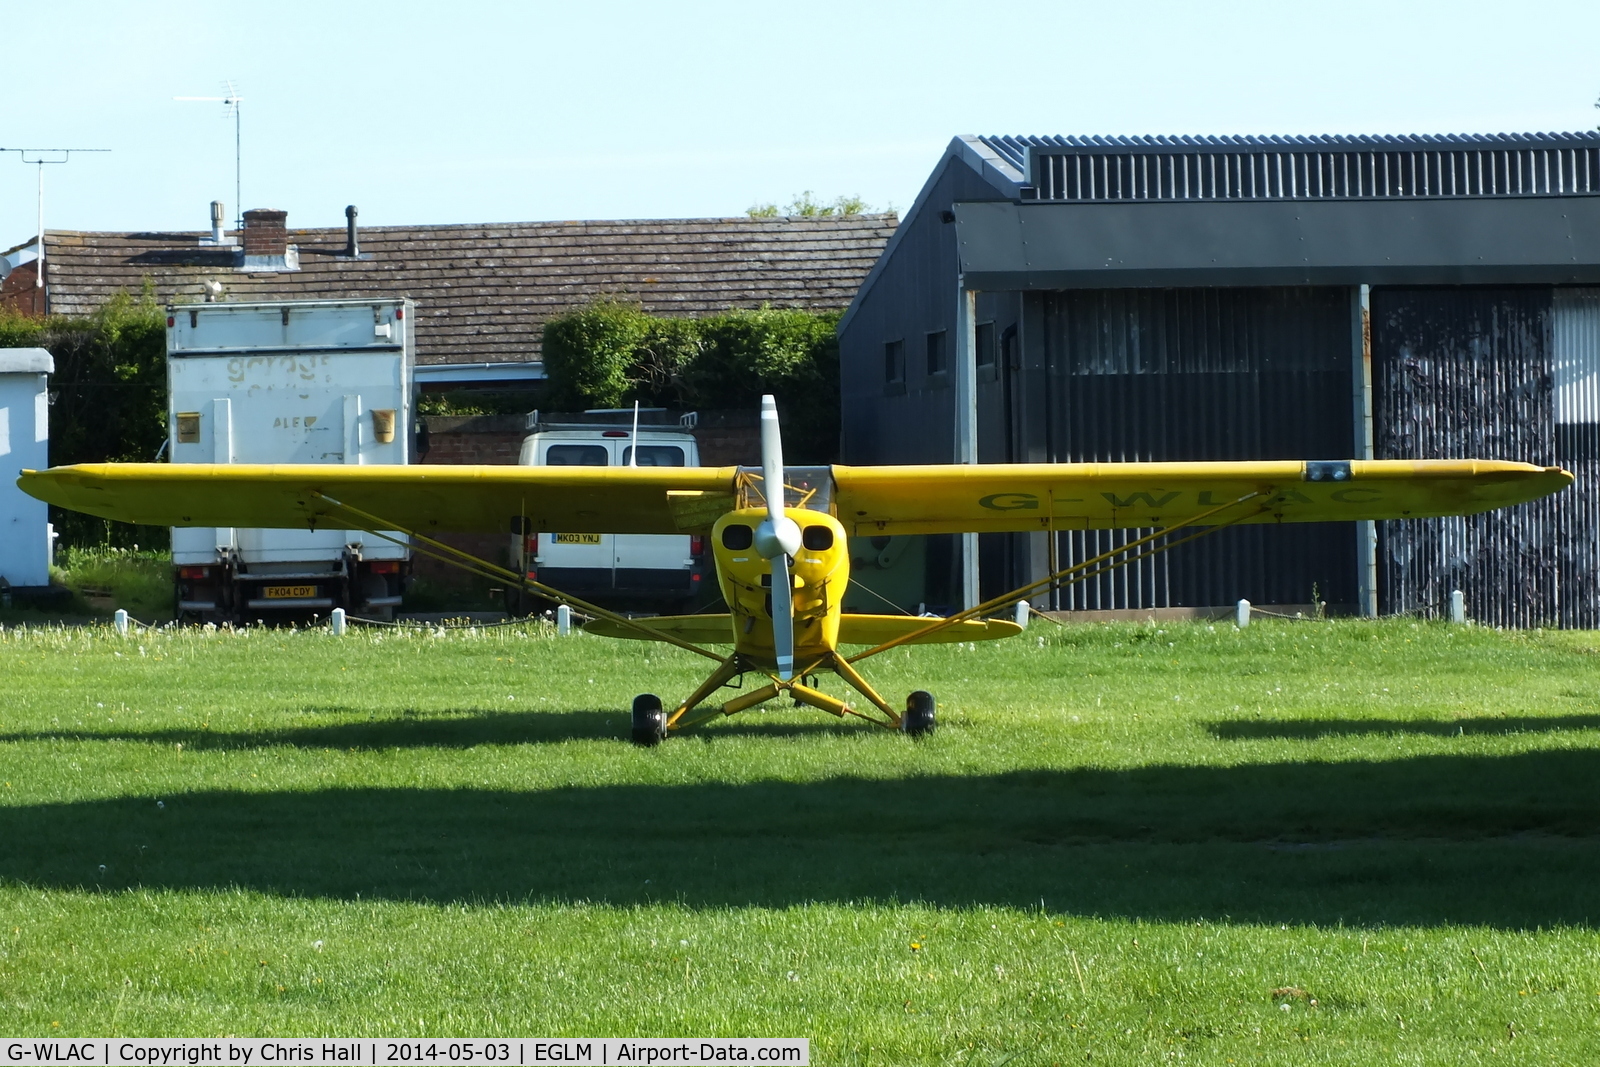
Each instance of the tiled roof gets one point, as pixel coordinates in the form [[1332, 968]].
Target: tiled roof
[[483, 292]]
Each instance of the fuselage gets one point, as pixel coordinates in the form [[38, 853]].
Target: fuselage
[[821, 574]]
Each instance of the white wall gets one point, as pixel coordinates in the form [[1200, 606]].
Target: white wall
[[24, 443]]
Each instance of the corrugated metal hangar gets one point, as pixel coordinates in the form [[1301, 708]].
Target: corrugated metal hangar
[[1083, 299]]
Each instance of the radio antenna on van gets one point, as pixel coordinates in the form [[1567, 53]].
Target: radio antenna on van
[[633, 448]]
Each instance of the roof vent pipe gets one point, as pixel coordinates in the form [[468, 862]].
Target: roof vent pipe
[[216, 222], [352, 247]]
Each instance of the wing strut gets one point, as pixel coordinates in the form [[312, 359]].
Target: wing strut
[[1071, 574], [376, 525]]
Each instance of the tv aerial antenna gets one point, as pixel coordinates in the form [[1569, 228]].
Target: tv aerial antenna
[[230, 102], [43, 157]]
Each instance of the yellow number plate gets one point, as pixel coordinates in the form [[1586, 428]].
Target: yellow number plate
[[288, 592], [575, 539]]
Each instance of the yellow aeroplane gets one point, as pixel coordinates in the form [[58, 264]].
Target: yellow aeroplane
[[781, 556]]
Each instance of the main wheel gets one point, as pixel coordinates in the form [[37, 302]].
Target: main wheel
[[649, 720], [921, 714]]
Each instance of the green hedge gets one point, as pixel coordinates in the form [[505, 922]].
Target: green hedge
[[110, 398], [609, 354]]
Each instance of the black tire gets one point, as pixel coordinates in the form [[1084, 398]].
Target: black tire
[[649, 720], [921, 714]]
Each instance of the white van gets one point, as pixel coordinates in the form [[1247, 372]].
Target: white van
[[629, 572]]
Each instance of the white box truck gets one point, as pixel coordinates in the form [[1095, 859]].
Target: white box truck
[[315, 381], [631, 572]]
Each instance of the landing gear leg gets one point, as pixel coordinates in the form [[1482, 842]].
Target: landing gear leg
[[649, 720], [920, 717]]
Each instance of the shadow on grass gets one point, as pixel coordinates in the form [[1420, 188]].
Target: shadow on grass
[[1311, 729], [435, 730], [1501, 840]]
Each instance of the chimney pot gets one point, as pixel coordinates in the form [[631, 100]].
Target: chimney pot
[[266, 232]]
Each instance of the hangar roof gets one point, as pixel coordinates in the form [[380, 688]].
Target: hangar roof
[[1151, 211]]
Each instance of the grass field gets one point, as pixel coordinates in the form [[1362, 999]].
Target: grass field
[[1313, 842]]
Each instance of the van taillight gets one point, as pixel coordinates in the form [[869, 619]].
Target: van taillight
[[193, 573], [530, 545], [385, 566], [697, 545]]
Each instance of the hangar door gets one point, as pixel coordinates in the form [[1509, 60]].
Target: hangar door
[[1204, 374], [1492, 373]]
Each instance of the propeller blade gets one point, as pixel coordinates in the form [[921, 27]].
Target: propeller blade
[[771, 458], [783, 616], [779, 535]]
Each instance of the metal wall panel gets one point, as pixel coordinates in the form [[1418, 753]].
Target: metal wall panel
[[1204, 374], [1467, 373], [1576, 369], [1301, 168]]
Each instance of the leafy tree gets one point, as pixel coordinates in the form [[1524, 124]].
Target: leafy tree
[[587, 354], [610, 354], [109, 397], [806, 205]]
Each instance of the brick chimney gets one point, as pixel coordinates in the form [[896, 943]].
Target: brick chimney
[[265, 232]]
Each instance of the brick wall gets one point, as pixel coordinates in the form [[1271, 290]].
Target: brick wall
[[725, 438], [19, 293], [475, 438]]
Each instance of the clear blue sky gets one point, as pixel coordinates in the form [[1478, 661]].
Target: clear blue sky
[[475, 111]]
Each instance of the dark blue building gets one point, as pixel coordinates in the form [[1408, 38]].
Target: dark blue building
[[1082, 299]]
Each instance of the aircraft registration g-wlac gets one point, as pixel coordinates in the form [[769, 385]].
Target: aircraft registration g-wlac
[[781, 556]]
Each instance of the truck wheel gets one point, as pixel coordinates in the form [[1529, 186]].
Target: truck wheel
[[374, 585], [649, 720]]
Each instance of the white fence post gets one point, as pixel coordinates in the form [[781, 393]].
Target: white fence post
[[1458, 606], [336, 620], [1241, 614], [1024, 610], [563, 620], [120, 621]]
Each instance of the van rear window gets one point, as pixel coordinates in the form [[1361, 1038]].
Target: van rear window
[[655, 456], [577, 456]]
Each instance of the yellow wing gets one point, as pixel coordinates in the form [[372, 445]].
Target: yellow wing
[[657, 500], [1073, 496], [868, 500], [853, 629]]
